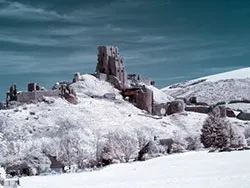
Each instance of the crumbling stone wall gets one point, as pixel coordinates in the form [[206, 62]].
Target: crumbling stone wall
[[26, 97], [175, 107], [36, 96], [160, 109], [219, 111], [144, 100], [198, 109]]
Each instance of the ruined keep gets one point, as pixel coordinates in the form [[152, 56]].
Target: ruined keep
[[110, 66]]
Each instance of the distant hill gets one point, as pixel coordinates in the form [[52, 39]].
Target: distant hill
[[224, 87]]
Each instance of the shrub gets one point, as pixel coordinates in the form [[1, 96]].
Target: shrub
[[178, 148], [247, 135], [193, 142], [144, 135]]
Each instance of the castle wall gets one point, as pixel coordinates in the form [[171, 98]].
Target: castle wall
[[198, 109], [50, 93], [144, 100], [35, 96], [115, 82], [160, 109], [101, 76], [25, 97], [175, 107], [147, 82], [117, 69]]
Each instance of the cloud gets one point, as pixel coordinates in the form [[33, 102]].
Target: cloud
[[27, 12], [28, 40], [47, 37]]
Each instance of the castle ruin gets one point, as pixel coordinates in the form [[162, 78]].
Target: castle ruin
[[110, 67], [36, 93]]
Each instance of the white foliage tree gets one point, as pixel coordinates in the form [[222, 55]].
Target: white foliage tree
[[74, 148], [2, 175], [144, 135], [3, 149], [36, 160], [69, 141], [122, 144]]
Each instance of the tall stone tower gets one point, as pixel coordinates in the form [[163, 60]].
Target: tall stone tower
[[111, 64]]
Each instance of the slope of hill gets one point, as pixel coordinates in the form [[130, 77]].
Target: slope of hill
[[75, 133], [223, 87], [188, 170], [29, 130]]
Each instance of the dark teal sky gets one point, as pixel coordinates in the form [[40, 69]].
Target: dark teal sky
[[168, 41]]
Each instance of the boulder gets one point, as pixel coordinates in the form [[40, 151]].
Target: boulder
[[110, 96], [70, 98]]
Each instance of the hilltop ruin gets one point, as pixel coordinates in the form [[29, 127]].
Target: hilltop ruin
[[111, 68]]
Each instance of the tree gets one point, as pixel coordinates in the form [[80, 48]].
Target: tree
[[2, 175], [69, 142], [122, 144], [219, 133]]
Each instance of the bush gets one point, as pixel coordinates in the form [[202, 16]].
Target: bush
[[193, 142], [122, 145], [180, 143], [144, 135], [218, 133], [236, 137], [178, 148], [247, 135]]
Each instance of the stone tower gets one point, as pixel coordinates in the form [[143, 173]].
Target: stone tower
[[111, 64]]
